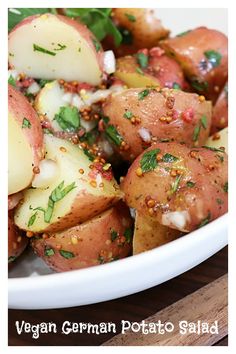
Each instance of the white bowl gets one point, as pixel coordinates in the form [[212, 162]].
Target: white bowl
[[33, 286]]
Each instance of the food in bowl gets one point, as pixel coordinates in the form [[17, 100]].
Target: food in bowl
[[113, 151]]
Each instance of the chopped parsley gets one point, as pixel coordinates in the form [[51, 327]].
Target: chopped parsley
[[42, 50], [176, 86], [43, 82], [60, 46], [204, 121], [112, 133], [213, 57], [149, 161], [32, 219], [196, 132], [12, 81], [142, 60], [199, 85], [127, 37], [96, 44], [101, 259], [88, 154], [205, 221], [143, 94], [130, 17], [183, 33], [190, 184], [175, 185], [26, 123], [219, 201], [66, 254], [128, 115], [11, 259], [139, 71], [128, 234], [169, 158], [48, 252], [68, 118], [225, 187], [213, 148], [114, 235]]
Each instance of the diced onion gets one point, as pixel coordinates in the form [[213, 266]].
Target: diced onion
[[109, 62], [176, 219], [88, 125], [145, 135], [90, 98], [67, 97], [77, 101], [48, 172], [33, 88], [13, 73]]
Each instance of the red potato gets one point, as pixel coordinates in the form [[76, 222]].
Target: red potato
[[53, 46], [168, 114], [160, 71], [203, 55], [25, 140], [102, 239], [149, 234], [69, 189], [220, 111], [179, 187], [16, 242], [14, 199], [140, 29]]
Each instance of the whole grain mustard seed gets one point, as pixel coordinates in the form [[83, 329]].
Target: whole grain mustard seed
[[201, 98], [63, 149], [139, 172]]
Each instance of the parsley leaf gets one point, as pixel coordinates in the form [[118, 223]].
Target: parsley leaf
[[37, 48], [148, 161], [66, 254], [112, 133], [213, 57], [175, 185], [68, 118], [48, 252], [190, 184], [169, 158], [114, 235], [12, 81], [142, 60], [143, 94], [17, 15], [205, 221], [130, 17], [204, 121], [26, 123], [128, 234], [128, 115], [196, 132]]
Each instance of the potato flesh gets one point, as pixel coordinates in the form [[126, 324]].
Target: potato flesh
[[221, 142], [75, 62], [70, 160], [20, 158]]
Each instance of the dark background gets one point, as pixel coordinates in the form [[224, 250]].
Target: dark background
[[133, 308]]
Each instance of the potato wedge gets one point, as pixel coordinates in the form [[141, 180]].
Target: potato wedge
[[220, 111], [179, 187], [218, 140], [80, 190], [25, 140], [160, 71], [149, 234], [104, 238], [53, 46], [16, 242], [142, 116], [140, 27]]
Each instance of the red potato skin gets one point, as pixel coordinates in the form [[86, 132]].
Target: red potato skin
[[93, 244], [187, 111], [220, 112], [16, 242], [205, 200], [146, 30], [20, 108], [78, 26], [14, 199], [189, 51]]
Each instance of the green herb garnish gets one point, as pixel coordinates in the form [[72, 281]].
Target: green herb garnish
[[114, 235], [143, 94], [169, 158], [198, 85], [213, 57], [101, 259], [213, 148], [68, 118], [32, 219], [130, 17], [225, 187], [205, 221], [190, 184], [128, 115], [183, 33], [11, 259], [219, 201], [139, 71], [176, 86], [97, 45], [26, 123], [196, 132], [48, 252], [43, 82], [112, 133], [142, 60], [204, 121], [128, 234], [149, 161], [175, 185], [17, 15], [37, 48], [12, 81], [66, 254], [60, 47], [88, 154]]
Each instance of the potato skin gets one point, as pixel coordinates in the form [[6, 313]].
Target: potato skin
[[90, 243], [186, 112], [190, 51], [161, 70], [220, 111], [16, 242], [195, 185], [146, 30]]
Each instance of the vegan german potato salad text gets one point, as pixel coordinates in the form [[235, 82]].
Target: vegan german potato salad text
[[117, 133]]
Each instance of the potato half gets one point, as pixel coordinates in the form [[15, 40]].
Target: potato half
[[78, 192], [104, 238], [25, 141], [219, 140], [51, 47]]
